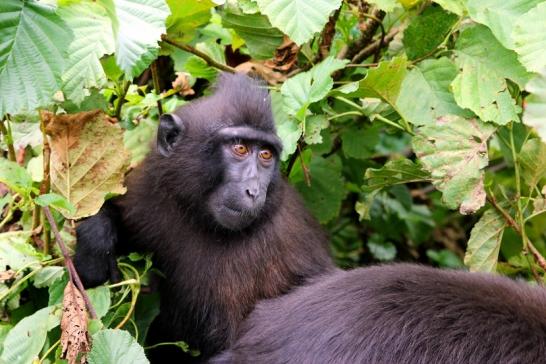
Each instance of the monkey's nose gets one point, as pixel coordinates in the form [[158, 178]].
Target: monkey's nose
[[253, 192]]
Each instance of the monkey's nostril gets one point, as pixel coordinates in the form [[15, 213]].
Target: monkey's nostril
[[252, 193]]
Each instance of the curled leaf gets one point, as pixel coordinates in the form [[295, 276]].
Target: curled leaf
[[74, 335]]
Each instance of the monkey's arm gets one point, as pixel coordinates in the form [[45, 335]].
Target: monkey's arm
[[97, 240]]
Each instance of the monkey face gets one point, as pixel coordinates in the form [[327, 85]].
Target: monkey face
[[249, 168]]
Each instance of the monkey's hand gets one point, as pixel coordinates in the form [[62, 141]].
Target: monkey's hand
[[95, 258]]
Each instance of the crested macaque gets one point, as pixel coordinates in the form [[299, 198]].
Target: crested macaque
[[225, 228], [396, 314]]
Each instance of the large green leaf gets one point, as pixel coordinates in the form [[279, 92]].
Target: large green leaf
[[138, 25], [116, 347], [25, 341], [33, 42], [16, 252], [483, 247], [260, 37], [288, 128], [454, 151], [535, 104], [485, 65], [425, 94], [427, 31], [529, 40], [299, 19], [93, 38], [500, 16]]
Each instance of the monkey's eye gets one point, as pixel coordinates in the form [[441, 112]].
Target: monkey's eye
[[240, 149], [266, 154]]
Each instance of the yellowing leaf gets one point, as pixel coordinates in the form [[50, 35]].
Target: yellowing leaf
[[88, 159]]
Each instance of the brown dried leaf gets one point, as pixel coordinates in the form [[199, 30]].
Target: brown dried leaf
[[286, 56], [74, 336], [182, 84], [259, 68], [7, 275], [88, 159]]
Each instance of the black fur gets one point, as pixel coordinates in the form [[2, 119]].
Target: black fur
[[398, 314], [214, 276]]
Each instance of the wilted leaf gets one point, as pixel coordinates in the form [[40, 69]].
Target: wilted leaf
[[528, 42], [88, 159], [116, 347], [34, 41], [7, 275], [182, 84], [454, 151], [74, 336], [430, 80], [25, 341], [533, 161], [483, 247], [299, 19], [427, 31]]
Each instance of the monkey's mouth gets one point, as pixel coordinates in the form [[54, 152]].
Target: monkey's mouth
[[234, 218]]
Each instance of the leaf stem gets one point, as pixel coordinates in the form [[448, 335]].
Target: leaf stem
[[6, 132], [210, 61], [121, 98], [155, 80]]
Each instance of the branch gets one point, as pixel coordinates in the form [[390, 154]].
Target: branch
[[375, 46], [9, 141], [121, 99], [155, 80], [211, 62], [72, 273]]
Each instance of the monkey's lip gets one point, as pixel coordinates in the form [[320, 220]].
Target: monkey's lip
[[233, 210]]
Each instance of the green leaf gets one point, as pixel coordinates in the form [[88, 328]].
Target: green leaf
[[381, 249], [299, 19], [359, 142], [260, 37], [455, 6], [288, 128], [533, 160], [323, 197], [500, 16], [56, 201], [138, 140], [138, 26], [93, 38], [100, 299], [186, 17], [15, 252], [430, 80], [307, 87], [25, 341], [47, 276], [116, 347], [454, 151], [481, 86], [528, 40], [483, 247], [478, 45], [15, 177], [398, 171], [445, 258], [427, 31], [535, 104], [33, 42], [384, 81]]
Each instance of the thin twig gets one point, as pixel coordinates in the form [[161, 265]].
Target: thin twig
[[368, 30], [373, 47], [121, 99], [155, 80], [211, 62], [9, 141], [304, 168], [73, 274]]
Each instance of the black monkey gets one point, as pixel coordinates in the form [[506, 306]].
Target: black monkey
[[225, 227], [397, 314]]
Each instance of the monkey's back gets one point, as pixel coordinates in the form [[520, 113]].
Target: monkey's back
[[398, 314]]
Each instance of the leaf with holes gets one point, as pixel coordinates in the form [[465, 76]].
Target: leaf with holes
[[33, 42], [88, 159], [454, 151], [299, 19]]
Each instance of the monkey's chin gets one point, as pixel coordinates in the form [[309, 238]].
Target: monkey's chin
[[233, 219]]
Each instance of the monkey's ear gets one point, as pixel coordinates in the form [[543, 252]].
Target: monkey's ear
[[171, 128]]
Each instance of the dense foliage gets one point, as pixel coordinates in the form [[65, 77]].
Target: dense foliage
[[414, 129]]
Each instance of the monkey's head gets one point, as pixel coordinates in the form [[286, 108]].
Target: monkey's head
[[222, 153]]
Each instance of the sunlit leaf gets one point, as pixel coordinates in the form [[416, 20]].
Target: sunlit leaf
[[455, 6], [299, 19], [33, 42], [528, 40], [186, 17], [116, 347], [535, 104], [15, 251]]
